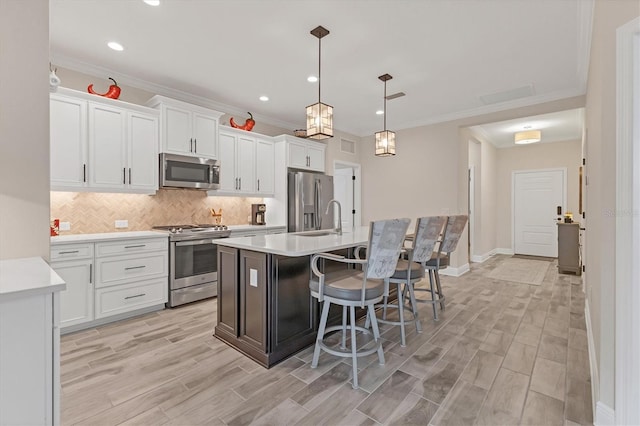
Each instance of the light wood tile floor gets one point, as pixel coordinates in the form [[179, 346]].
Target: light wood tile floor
[[502, 353]]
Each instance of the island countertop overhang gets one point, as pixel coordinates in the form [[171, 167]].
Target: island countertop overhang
[[295, 244]]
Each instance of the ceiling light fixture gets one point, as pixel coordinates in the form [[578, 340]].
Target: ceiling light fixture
[[152, 2], [319, 115], [386, 139], [312, 79], [115, 46], [530, 136], [264, 98]]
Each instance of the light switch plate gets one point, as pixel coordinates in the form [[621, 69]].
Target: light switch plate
[[253, 277], [65, 226], [122, 223]]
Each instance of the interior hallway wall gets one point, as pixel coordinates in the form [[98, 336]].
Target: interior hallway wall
[[600, 121], [24, 129], [533, 157]]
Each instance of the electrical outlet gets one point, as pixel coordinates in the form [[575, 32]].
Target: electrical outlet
[[65, 226], [122, 223]]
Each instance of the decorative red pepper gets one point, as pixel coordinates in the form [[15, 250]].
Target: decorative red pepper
[[248, 123], [112, 93]]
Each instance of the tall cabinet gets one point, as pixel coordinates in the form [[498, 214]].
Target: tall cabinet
[[569, 259]]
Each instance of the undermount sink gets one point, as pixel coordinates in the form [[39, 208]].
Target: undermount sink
[[319, 233]]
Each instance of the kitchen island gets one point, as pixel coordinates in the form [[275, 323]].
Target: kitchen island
[[265, 308]]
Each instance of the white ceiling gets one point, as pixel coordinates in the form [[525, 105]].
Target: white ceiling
[[444, 54], [554, 127]]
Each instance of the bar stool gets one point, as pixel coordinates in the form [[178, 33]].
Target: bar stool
[[441, 259], [411, 270], [363, 288]]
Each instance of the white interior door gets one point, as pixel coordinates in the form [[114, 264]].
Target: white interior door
[[343, 192], [536, 195]]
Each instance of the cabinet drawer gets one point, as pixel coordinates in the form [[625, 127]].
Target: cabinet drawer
[[121, 269], [71, 251], [131, 246], [128, 297]]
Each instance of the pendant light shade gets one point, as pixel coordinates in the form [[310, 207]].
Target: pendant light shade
[[319, 115], [386, 139], [530, 136]]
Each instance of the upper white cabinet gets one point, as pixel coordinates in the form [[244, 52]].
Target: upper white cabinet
[[246, 164], [102, 145], [304, 154], [187, 129]]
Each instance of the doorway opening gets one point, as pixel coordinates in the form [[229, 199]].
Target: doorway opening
[[347, 189]]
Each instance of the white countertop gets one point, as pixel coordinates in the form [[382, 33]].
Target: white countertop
[[27, 277], [293, 244], [85, 238]]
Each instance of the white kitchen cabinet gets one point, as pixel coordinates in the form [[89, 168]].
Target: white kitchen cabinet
[[102, 145], [305, 155], [68, 135], [74, 263], [187, 129], [237, 163], [265, 165]]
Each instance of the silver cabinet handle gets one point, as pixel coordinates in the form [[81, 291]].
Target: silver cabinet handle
[[239, 183], [137, 295], [236, 187], [258, 184], [136, 246], [134, 267], [84, 172], [195, 145], [124, 175], [90, 273], [69, 252], [129, 175], [190, 144]]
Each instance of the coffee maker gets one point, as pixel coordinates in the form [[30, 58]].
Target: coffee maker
[[258, 214]]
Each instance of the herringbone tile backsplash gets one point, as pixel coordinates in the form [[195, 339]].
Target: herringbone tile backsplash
[[90, 212]]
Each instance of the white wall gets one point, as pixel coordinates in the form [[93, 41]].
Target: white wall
[[600, 119], [24, 128]]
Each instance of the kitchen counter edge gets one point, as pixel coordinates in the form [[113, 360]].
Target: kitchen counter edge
[[28, 277]]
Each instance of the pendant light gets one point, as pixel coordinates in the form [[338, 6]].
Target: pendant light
[[319, 115], [386, 139]]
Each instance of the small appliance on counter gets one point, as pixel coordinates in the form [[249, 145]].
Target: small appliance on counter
[[258, 212]]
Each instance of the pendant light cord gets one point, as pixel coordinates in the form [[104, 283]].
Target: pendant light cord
[[385, 105], [319, 64]]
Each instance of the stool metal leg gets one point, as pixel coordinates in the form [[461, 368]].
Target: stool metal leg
[[354, 354], [343, 342], [433, 295], [403, 340], [376, 333], [323, 324], [414, 307], [440, 295]]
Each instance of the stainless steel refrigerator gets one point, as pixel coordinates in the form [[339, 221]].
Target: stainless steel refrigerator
[[308, 196]]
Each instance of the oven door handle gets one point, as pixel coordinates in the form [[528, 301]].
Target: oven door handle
[[194, 242]]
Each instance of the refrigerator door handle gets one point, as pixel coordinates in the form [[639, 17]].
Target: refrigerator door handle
[[318, 217]]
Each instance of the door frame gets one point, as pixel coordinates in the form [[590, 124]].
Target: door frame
[[472, 212], [513, 196], [357, 187], [627, 231]]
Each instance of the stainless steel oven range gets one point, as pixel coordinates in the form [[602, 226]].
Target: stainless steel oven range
[[193, 262]]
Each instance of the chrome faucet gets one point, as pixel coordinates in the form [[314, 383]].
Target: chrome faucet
[[339, 228]]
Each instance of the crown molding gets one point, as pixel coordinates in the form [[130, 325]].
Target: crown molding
[[158, 89]]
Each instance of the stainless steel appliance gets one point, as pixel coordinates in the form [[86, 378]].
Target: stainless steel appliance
[[258, 212], [193, 261], [308, 197], [181, 171]]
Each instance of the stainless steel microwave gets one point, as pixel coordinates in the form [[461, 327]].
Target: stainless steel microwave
[[182, 171]]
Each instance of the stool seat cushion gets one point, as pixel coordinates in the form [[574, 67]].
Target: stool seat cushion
[[417, 271], [444, 261], [347, 285]]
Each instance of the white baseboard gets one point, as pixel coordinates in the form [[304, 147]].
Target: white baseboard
[[482, 257], [508, 251], [593, 365], [455, 272], [605, 415]]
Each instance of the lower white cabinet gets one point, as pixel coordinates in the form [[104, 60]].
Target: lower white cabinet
[[110, 278], [127, 297]]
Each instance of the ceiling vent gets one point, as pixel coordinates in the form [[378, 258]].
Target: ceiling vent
[[507, 95]]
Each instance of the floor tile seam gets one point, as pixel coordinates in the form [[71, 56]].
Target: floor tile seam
[[369, 417]]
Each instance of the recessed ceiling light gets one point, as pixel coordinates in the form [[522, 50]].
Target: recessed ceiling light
[[264, 98], [152, 2], [115, 46], [379, 112], [312, 79]]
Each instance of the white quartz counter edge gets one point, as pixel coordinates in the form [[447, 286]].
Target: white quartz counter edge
[[27, 277], [106, 236], [293, 244]]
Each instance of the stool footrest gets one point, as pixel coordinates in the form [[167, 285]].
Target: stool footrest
[[347, 353]]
